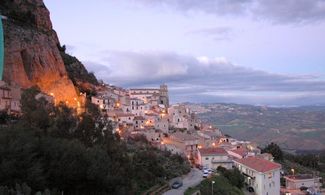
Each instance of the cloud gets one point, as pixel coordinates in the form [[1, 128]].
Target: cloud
[[202, 79], [219, 7], [288, 11], [276, 11], [217, 33]]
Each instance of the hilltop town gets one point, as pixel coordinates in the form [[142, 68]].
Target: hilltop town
[[177, 129], [56, 135]]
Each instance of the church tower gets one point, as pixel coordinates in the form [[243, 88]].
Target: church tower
[[164, 98]]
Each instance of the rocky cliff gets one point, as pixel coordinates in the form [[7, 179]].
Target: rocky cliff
[[32, 56]]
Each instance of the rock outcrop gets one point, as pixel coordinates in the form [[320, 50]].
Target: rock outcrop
[[32, 56]]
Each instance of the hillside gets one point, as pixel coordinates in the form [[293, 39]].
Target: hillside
[[32, 55], [301, 128]]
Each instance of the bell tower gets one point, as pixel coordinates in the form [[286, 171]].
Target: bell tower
[[164, 98]]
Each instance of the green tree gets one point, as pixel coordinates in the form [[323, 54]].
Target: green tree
[[275, 150], [64, 121], [36, 113]]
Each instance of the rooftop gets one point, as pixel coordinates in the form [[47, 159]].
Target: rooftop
[[210, 133], [184, 136], [145, 89], [124, 114], [258, 164], [212, 151], [240, 151], [139, 118], [300, 177]]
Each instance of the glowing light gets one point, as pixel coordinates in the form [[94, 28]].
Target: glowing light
[[199, 146], [52, 94], [213, 144], [162, 143]]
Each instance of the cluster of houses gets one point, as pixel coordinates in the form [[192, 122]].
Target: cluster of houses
[[176, 128], [146, 111]]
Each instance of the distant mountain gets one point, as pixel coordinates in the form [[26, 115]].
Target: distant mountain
[[297, 128]]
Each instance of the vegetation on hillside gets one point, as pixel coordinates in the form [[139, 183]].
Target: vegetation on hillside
[[77, 72], [221, 186], [50, 149], [300, 163], [275, 150], [293, 128]]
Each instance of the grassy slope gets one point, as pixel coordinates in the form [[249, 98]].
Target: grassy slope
[[292, 128]]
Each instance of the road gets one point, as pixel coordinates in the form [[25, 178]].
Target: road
[[190, 180]]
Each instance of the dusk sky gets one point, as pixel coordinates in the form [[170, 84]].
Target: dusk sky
[[242, 51]]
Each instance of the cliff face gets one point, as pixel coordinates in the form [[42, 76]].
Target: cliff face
[[32, 56]]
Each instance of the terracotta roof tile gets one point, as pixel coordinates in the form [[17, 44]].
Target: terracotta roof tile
[[212, 151], [240, 151], [258, 164]]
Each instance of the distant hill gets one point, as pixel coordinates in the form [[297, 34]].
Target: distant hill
[[294, 128]]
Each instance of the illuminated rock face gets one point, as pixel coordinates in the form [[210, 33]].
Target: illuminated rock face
[[31, 50]]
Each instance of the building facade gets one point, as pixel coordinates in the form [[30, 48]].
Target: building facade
[[260, 174], [214, 157]]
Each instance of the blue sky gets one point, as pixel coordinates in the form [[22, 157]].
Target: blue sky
[[242, 51]]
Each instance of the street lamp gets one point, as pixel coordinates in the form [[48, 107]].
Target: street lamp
[[293, 172], [212, 182]]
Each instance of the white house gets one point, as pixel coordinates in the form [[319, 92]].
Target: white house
[[210, 134], [186, 142], [125, 118], [181, 117], [139, 122], [294, 182], [214, 157], [162, 124], [260, 174], [138, 107], [105, 103], [158, 95]]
